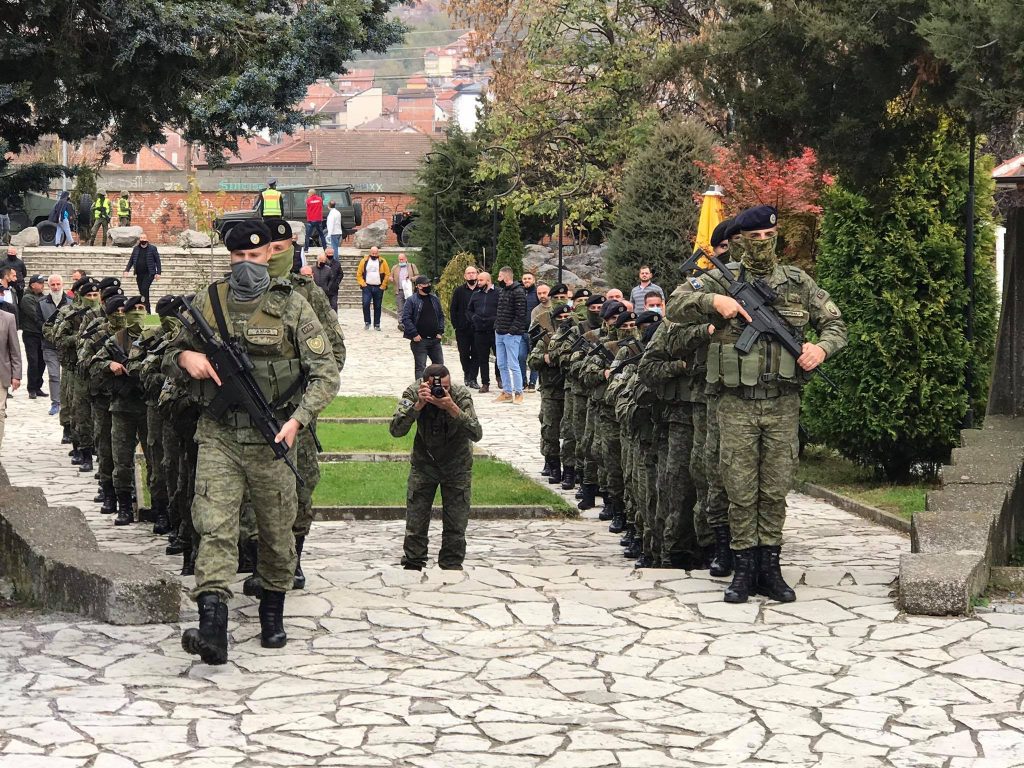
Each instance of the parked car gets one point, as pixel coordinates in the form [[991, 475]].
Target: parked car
[[29, 209], [293, 205]]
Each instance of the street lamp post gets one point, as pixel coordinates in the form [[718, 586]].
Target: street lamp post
[[437, 200], [497, 195], [969, 277], [563, 194]]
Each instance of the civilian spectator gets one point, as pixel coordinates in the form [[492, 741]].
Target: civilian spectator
[[124, 211], [543, 308], [146, 260], [423, 320], [306, 270], [8, 294], [636, 296], [654, 302], [32, 334], [482, 310], [18, 265], [509, 329], [298, 259], [372, 275], [101, 218], [335, 232], [84, 216], [10, 364], [62, 215], [403, 275], [314, 220], [49, 304], [327, 274], [530, 286], [5, 220], [458, 311]]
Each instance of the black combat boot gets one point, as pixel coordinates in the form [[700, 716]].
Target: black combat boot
[[569, 477], [98, 498], [175, 546], [556, 472], [546, 472], [618, 524], [608, 509], [253, 586], [634, 550], [210, 641], [109, 500], [247, 556], [769, 576], [721, 563], [272, 633], [161, 522], [644, 561], [125, 513], [742, 577], [627, 535], [589, 500], [579, 492], [188, 560], [86, 465], [75, 455], [300, 578], [65, 438]]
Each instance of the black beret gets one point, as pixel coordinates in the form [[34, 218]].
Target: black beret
[[89, 286], [720, 235], [759, 217], [279, 228], [111, 292], [582, 293], [612, 308], [733, 229], [561, 309], [625, 317], [646, 318], [163, 303], [248, 234], [109, 282], [77, 285], [595, 300], [113, 304], [131, 301], [560, 288]]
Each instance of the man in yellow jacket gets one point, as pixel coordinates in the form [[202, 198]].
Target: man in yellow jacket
[[101, 216], [372, 274]]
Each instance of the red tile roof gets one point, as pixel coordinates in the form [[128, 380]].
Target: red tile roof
[[368, 150]]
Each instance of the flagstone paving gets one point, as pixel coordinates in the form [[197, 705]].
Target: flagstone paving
[[548, 650]]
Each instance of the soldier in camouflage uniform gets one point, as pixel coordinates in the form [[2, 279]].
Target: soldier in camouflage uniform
[[442, 456], [67, 334], [558, 351], [287, 347], [53, 333], [307, 458], [588, 460], [551, 383], [759, 405]]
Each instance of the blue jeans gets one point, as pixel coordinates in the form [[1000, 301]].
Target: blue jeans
[[63, 236], [374, 294], [335, 243], [507, 347], [321, 231]]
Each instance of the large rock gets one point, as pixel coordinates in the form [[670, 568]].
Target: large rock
[[28, 236], [125, 237], [193, 238], [298, 230], [535, 255], [375, 234]]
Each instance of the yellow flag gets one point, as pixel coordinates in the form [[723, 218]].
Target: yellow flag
[[711, 216]]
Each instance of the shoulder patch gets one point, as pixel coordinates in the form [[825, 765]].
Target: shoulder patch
[[317, 344], [696, 283], [307, 329], [832, 309]]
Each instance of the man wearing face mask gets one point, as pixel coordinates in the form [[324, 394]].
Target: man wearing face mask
[[458, 312], [81, 402], [32, 334], [101, 390], [404, 273], [146, 260], [759, 401], [588, 466], [552, 386], [556, 354], [50, 303], [297, 375], [482, 310], [424, 325]]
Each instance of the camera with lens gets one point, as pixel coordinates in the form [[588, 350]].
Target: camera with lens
[[436, 390]]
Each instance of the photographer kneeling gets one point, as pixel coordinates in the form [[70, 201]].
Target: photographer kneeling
[[442, 455]]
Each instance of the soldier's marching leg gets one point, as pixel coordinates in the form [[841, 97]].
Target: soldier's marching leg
[[739, 423], [717, 500], [308, 464], [677, 492], [569, 450], [705, 537], [157, 480]]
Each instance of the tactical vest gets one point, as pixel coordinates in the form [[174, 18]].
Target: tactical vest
[[275, 360], [124, 207], [768, 371], [271, 202]]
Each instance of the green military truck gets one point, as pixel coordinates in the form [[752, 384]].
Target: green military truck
[[293, 203]]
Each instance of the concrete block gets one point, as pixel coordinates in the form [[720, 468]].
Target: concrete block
[[935, 532], [54, 561], [941, 584], [967, 498], [983, 464]]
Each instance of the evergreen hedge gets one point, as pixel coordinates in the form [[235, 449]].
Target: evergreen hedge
[[510, 245]]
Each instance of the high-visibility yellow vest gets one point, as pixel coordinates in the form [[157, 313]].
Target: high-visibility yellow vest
[[124, 207], [101, 208], [271, 202]]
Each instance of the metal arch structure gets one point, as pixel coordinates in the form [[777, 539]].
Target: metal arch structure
[[563, 194], [437, 197], [493, 200]]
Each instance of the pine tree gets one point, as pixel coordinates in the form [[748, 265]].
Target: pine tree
[[510, 244]]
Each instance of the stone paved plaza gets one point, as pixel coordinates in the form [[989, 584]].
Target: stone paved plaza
[[548, 650]]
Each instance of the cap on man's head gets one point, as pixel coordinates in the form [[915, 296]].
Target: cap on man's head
[[248, 234], [109, 293], [648, 317], [279, 228], [721, 233], [163, 304], [560, 288], [77, 285], [595, 300], [271, 181], [90, 286], [37, 279], [758, 217], [114, 303], [109, 282], [131, 302], [421, 280], [612, 309], [582, 293], [625, 317], [562, 309]]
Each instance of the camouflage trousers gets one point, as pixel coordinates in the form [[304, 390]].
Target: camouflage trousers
[[225, 471], [759, 454], [700, 479], [567, 429], [611, 452], [66, 405], [81, 413], [127, 430], [308, 463], [630, 496], [185, 487], [456, 491], [552, 405], [676, 492], [156, 477], [717, 503], [586, 464], [170, 465], [101, 427], [594, 471]]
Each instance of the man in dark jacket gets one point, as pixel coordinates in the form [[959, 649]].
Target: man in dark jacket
[[49, 305], [423, 320], [482, 309], [18, 266], [146, 260], [32, 335], [530, 286], [510, 324], [458, 312], [327, 274]]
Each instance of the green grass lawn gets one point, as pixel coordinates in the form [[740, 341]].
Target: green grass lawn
[[357, 484], [825, 467], [361, 407], [362, 438]]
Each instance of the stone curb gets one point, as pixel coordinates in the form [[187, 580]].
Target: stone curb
[[333, 514], [52, 556], [855, 507], [353, 420], [336, 457]]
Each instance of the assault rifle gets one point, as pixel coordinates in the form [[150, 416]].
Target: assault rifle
[[538, 332], [591, 348], [619, 364], [238, 389]]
